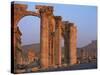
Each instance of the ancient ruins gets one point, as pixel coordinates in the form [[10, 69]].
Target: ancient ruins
[[52, 29]]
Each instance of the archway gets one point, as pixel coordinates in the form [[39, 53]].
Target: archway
[[19, 11], [30, 29]]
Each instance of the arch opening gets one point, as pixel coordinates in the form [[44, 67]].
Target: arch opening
[[29, 26]]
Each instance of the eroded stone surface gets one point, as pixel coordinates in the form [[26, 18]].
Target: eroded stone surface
[[51, 31]]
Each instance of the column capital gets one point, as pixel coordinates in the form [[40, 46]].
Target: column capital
[[45, 9], [58, 17], [65, 22]]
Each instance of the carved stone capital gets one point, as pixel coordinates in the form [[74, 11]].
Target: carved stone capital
[[58, 18], [45, 9]]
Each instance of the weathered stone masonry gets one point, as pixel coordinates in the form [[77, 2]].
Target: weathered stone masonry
[[70, 37], [52, 28]]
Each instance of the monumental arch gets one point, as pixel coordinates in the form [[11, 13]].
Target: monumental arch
[[52, 28]]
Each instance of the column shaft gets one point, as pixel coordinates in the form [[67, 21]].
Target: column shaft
[[58, 40], [44, 40]]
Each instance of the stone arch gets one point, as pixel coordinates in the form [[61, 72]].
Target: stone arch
[[32, 24], [25, 58], [18, 11]]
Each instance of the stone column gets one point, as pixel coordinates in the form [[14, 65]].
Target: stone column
[[73, 44], [44, 43], [66, 43], [58, 52], [51, 40], [70, 52]]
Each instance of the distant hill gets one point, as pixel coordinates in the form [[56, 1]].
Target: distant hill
[[91, 48], [34, 47]]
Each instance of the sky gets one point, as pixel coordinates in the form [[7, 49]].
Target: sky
[[84, 17]]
